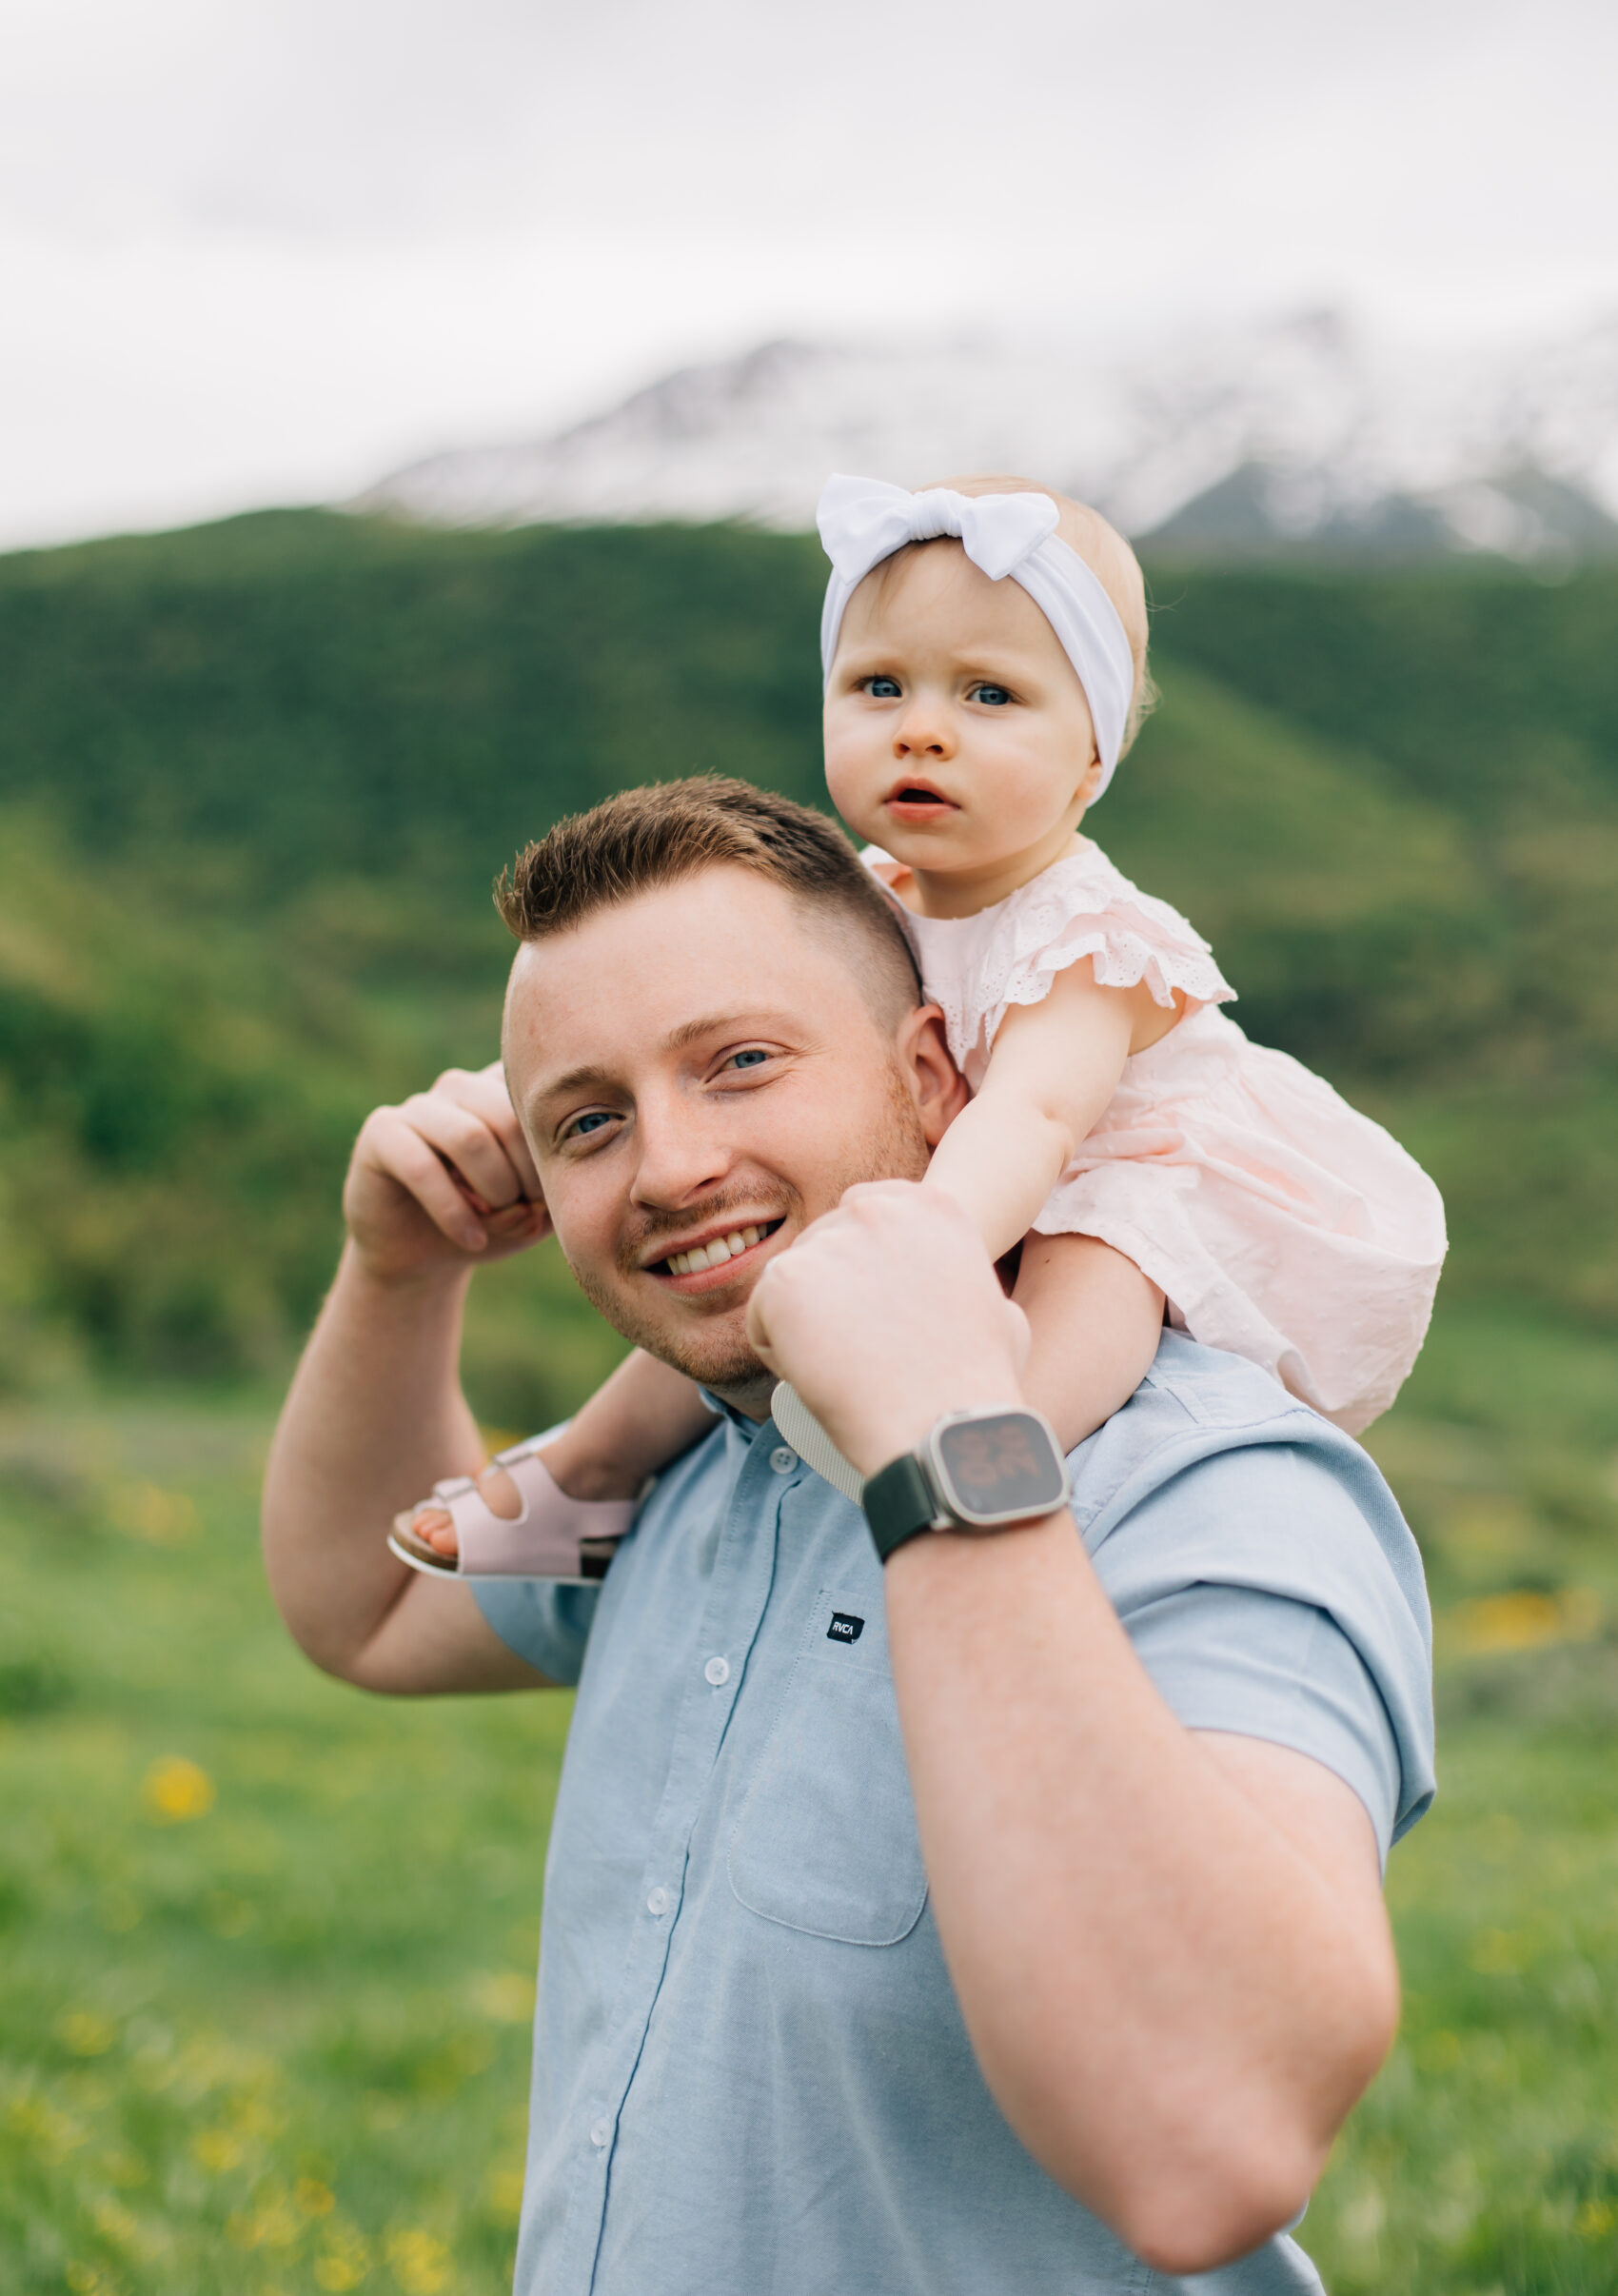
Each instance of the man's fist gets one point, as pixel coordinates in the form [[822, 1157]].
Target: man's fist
[[443, 1181], [887, 1313]]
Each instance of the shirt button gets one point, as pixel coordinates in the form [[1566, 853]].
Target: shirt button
[[601, 2133], [782, 1460], [657, 1902], [718, 1671]]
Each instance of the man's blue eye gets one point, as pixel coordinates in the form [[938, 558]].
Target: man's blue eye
[[749, 1059], [995, 694], [883, 690], [587, 1123]]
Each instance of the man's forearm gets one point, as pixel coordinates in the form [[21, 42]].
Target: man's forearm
[[1173, 2010], [375, 1415], [1170, 1949]]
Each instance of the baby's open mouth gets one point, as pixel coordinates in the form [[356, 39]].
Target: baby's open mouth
[[713, 1254], [916, 795]]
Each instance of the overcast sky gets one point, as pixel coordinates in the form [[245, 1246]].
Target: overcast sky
[[262, 250]]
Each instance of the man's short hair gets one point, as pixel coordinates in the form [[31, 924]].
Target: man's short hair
[[669, 830]]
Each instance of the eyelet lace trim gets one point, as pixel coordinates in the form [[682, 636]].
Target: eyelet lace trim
[[1077, 908]]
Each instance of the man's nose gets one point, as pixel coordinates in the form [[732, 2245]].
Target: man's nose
[[681, 1155]]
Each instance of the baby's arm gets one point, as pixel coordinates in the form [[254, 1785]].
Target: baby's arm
[[1095, 1318], [1095, 1321], [635, 1424], [1053, 1069]]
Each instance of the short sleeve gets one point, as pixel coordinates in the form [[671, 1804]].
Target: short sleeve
[[544, 1622], [1081, 908], [1263, 1571], [1261, 1666], [1085, 908]]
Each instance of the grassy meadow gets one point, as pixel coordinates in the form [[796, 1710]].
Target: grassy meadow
[[269, 1945]]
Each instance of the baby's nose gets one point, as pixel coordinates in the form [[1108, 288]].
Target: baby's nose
[[923, 733]]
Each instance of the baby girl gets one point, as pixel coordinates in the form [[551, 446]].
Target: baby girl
[[985, 645]]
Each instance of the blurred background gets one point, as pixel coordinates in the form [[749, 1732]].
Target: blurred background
[[410, 422]]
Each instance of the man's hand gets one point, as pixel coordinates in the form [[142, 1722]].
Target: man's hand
[[887, 1313], [376, 1411], [443, 1181]]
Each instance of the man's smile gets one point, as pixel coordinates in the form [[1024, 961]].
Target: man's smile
[[705, 1260]]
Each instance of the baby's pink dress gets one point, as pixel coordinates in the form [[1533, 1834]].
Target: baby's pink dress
[[1279, 1222]]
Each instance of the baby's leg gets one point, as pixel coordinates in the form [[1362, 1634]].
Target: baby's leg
[[1096, 1321], [639, 1420]]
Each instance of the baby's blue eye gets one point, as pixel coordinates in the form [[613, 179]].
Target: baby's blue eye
[[996, 696], [882, 689]]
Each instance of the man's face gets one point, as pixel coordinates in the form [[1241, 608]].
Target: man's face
[[698, 1071]]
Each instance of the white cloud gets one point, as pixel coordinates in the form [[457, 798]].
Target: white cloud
[[257, 249]]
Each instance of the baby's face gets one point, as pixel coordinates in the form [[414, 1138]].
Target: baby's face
[[957, 735]]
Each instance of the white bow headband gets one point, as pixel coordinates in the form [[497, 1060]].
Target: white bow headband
[[864, 520]]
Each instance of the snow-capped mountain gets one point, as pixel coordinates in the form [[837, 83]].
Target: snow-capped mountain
[[1301, 430]]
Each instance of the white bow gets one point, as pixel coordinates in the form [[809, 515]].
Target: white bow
[[864, 520]]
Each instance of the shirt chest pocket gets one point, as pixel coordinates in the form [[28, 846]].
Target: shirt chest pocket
[[825, 1840]]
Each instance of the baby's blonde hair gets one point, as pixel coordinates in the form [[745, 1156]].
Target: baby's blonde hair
[[1109, 557]]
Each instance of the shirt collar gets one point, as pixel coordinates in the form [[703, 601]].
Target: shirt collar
[[738, 1419]]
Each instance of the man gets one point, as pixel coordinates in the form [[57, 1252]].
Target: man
[[1004, 1919]]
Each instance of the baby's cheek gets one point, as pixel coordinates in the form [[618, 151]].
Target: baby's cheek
[[838, 773], [849, 790]]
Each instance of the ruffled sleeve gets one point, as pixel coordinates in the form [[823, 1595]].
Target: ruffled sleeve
[[1084, 907], [978, 967]]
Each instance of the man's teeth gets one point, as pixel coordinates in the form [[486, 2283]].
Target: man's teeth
[[714, 1255]]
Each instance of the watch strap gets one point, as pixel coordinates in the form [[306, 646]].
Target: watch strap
[[899, 1502]]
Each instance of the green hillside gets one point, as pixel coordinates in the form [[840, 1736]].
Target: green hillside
[[306, 696], [254, 780]]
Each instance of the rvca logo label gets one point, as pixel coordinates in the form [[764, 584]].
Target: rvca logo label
[[844, 1628]]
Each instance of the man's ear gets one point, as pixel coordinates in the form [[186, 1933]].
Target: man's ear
[[938, 1083]]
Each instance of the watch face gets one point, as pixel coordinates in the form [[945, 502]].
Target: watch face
[[1001, 1467]]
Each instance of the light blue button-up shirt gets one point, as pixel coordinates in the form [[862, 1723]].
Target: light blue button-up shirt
[[750, 2077]]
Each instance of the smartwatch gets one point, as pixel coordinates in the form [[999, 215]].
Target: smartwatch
[[977, 1471]]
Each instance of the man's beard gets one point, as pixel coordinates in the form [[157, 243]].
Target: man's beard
[[720, 1357]]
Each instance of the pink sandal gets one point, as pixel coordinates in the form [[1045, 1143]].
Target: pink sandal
[[555, 1536]]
